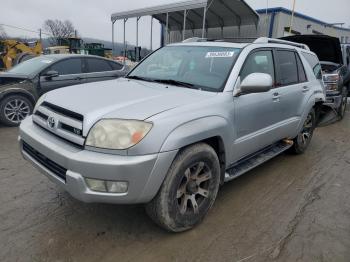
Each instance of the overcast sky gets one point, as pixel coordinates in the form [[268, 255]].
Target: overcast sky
[[92, 18]]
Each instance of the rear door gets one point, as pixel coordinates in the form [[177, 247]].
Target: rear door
[[70, 73], [99, 69], [292, 87]]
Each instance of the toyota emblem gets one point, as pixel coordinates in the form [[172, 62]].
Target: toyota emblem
[[51, 122]]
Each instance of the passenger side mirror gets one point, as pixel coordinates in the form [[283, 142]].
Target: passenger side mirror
[[50, 74], [256, 83]]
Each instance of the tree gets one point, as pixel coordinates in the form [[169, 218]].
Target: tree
[[59, 29], [3, 34]]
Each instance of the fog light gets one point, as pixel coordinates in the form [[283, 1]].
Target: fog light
[[117, 187], [96, 185], [107, 186]]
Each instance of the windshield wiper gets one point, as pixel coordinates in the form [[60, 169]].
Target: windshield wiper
[[140, 78], [176, 83]]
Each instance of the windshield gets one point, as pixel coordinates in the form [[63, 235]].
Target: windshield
[[31, 66], [201, 67]]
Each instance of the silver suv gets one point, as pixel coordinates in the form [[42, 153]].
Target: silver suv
[[188, 118]]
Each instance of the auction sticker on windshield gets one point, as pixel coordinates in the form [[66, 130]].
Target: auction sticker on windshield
[[220, 54]]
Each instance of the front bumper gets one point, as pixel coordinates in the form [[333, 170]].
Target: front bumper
[[144, 174]]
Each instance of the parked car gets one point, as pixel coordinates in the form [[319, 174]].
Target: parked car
[[21, 86], [336, 74], [186, 119], [345, 48]]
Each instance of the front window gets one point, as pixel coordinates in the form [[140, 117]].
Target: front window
[[201, 67]]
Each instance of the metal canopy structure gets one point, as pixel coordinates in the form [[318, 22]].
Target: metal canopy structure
[[192, 15]]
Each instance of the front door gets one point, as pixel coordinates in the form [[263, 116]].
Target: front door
[[256, 115], [69, 73]]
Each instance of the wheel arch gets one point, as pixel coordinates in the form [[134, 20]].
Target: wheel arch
[[19, 92]]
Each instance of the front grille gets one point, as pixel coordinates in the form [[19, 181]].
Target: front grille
[[43, 160], [61, 122]]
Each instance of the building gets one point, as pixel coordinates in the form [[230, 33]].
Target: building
[[277, 22]]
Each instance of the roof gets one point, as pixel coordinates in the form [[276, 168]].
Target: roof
[[220, 13], [300, 15]]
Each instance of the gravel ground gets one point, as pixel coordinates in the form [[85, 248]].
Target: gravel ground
[[293, 208]]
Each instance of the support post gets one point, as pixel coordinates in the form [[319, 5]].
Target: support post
[[167, 29], [204, 18], [292, 18], [125, 19], [113, 48], [184, 25], [137, 55], [151, 41]]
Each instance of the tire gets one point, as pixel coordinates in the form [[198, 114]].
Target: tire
[[342, 109], [188, 191], [303, 139], [14, 108]]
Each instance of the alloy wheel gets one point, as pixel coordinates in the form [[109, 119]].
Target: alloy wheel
[[16, 110], [193, 190], [306, 134]]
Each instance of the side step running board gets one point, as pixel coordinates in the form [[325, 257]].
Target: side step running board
[[257, 159]]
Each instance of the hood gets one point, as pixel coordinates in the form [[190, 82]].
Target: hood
[[123, 98], [327, 48], [8, 78]]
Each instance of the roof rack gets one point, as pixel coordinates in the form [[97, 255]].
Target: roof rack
[[261, 40], [229, 39], [265, 40]]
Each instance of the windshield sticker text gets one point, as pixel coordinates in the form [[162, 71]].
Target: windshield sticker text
[[219, 54]]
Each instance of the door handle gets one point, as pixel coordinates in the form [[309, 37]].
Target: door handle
[[78, 78], [305, 89], [276, 97]]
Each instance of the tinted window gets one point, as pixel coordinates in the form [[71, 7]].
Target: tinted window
[[98, 65], [67, 66], [287, 68], [258, 62], [116, 66], [301, 70], [314, 63]]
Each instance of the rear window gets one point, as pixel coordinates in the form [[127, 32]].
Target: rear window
[[287, 67], [314, 63], [98, 65]]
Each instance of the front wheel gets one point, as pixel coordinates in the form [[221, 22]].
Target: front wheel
[[303, 139], [188, 191], [14, 109]]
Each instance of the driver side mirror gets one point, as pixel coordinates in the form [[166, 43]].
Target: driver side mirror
[[50, 74], [256, 83]]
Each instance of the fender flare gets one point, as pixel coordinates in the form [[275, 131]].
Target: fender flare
[[198, 130]]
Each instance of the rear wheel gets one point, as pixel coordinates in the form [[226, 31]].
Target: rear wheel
[[14, 108], [188, 191], [302, 141]]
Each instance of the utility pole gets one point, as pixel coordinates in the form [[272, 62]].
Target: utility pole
[[292, 18], [40, 34]]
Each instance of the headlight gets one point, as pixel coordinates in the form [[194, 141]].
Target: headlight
[[39, 102], [331, 78], [117, 134]]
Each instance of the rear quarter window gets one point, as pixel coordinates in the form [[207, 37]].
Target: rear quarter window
[[314, 63]]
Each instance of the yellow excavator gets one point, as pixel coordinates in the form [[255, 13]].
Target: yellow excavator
[[13, 52]]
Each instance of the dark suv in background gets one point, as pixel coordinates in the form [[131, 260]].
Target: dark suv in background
[[21, 86], [336, 75]]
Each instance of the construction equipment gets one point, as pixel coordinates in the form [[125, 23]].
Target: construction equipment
[[13, 52]]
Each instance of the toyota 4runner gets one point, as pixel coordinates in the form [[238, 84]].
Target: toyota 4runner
[[188, 118]]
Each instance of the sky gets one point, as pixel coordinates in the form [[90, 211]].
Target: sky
[[92, 18]]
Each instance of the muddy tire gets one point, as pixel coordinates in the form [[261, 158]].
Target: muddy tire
[[14, 108], [342, 109], [303, 139], [188, 191]]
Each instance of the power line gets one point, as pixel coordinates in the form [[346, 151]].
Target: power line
[[25, 29]]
